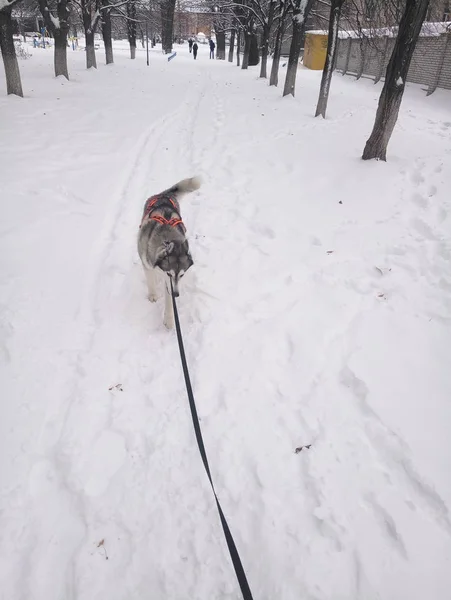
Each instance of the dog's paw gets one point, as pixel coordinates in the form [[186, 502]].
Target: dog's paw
[[152, 297], [168, 323]]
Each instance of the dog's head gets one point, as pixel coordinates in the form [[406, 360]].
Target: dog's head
[[174, 259]]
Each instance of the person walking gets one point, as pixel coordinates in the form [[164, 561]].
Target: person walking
[[190, 44], [195, 50], [212, 48]]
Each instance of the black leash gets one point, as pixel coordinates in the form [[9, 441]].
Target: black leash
[[240, 574]]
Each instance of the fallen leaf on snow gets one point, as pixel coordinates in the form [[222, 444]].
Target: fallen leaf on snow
[[118, 386], [300, 448]]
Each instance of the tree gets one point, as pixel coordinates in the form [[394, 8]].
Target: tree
[[106, 32], [59, 27], [167, 8], [231, 44], [131, 27], [301, 10], [247, 31], [282, 11], [22, 12], [266, 32], [12, 73], [220, 43], [221, 22], [334, 20], [254, 57], [395, 79], [90, 16]]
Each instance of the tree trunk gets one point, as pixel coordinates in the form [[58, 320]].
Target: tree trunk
[[59, 27], [231, 45], [265, 52], [238, 48], [220, 45], [12, 73], [395, 78], [131, 27], [274, 77], [300, 13], [254, 57], [247, 47], [363, 50], [106, 34], [167, 24], [60, 55], [21, 29], [265, 38], [334, 19], [90, 51]]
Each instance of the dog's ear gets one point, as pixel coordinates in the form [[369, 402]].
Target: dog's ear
[[163, 252]]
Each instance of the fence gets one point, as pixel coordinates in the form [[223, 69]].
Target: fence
[[430, 66]]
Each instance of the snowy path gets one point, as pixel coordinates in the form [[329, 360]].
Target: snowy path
[[306, 321]]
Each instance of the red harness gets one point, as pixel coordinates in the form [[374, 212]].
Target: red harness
[[159, 218]]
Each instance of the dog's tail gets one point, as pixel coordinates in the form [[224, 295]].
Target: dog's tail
[[185, 186]]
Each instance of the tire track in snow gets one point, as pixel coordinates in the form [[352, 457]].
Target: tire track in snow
[[57, 466], [106, 418], [86, 316]]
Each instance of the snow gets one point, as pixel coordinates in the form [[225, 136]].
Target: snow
[[300, 16], [55, 21], [399, 81], [318, 312]]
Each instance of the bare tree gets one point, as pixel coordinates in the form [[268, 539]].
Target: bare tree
[[231, 44], [58, 25], [23, 10], [131, 27], [248, 29], [12, 73], [90, 17], [268, 19], [300, 12], [106, 31], [395, 79], [254, 57], [167, 8], [282, 11], [326, 80]]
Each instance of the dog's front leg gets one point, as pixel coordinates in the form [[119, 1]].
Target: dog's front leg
[[168, 308], [151, 278]]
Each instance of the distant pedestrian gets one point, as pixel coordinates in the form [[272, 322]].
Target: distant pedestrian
[[195, 50], [212, 49], [190, 44]]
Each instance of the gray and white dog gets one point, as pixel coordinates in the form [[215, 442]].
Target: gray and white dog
[[162, 244]]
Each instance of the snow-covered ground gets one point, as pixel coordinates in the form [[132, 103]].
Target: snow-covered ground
[[318, 312]]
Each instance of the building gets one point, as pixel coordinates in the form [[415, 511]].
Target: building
[[191, 22]]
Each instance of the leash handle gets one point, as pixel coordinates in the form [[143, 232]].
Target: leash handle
[[237, 565]]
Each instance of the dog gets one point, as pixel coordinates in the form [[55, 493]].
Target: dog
[[162, 244]]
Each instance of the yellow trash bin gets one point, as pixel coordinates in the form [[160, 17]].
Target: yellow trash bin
[[315, 50]]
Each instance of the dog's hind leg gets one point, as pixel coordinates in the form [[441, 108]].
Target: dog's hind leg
[[168, 319], [151, 278]]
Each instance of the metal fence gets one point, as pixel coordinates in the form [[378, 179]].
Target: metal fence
[[430, 66]]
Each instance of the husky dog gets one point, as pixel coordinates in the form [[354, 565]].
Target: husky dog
[[162, 245]]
